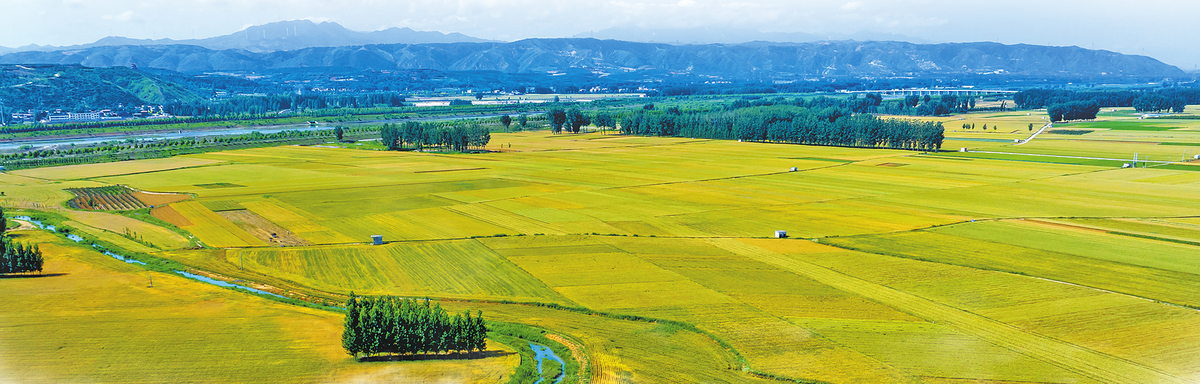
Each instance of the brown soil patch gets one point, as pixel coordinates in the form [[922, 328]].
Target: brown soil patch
[[23, 226], [170, 215], [262, 228], [890, 165], [157, 199]]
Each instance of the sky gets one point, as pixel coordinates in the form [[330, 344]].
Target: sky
[[1163, 29]]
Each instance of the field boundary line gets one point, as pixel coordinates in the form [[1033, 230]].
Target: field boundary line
[[218, 163], [724, 178], [1087, 362]]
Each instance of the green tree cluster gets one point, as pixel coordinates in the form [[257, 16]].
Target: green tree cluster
[[576, 120], [558, 118], [1073, 110], [405, 326], [789, 124], [414, 135], [16, 257]]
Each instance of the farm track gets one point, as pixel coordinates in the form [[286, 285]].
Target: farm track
[[1100, 366]]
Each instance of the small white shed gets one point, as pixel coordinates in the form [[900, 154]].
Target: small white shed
[[780, 234], [377, 239]]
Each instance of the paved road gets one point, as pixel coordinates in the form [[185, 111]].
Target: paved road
[[1074, 157], [1035, 134]]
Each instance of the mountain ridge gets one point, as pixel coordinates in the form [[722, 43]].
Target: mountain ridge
[[704, 35], [278, 36], [606, 57]]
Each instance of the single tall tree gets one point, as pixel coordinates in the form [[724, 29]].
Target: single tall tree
[[557, 119], [506, 120]]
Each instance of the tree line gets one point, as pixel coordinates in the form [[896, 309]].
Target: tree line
[[418, 136], [788, 124], [1073, 110], [1169, 99], [394, 325], [17, 257], [150, 149], [261, 105]]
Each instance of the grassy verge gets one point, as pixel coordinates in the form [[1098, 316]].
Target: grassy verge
[[518, 336]]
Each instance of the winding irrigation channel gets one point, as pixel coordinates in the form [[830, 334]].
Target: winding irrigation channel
[[130, 260], [543, 353]]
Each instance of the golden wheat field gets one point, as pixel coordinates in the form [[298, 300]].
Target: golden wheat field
[[898, 267]]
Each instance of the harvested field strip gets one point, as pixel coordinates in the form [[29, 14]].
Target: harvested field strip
[[157, 199], [262, 228], [213, 229], [170, 215], [1100, 366]]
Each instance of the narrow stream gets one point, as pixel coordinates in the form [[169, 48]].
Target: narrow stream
[[220, 283], [542, 353], [77, 238]]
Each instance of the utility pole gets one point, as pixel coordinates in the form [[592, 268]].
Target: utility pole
[[151, 280]]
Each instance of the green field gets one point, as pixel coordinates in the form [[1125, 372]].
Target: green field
[[902, 267]]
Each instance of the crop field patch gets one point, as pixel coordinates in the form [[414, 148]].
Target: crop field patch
[[221, 205], [1121, 249], [912, 273], [155, 199], [1137, 125], [299, 224], [262, 228], [454, 269], [87, 171], [1132, 328], [592, 269], [1176, 287], [628, 296], [926, 349], [170, 215], [110, 198], [780, 346], [554, 250], [109, 304], [213, 229]]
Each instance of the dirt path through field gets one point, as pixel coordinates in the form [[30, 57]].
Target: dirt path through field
[[576, 353], [1100, 366]]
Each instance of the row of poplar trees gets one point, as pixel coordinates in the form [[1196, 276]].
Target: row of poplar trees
[[394, 325], [458, 137], [789, 124], [16, 257]]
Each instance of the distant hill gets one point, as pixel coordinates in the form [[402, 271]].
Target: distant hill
[[78, 88], [757, 61], [281, 36], [706, 35]]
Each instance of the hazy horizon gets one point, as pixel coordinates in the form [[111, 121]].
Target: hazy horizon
[[1153, 30]]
